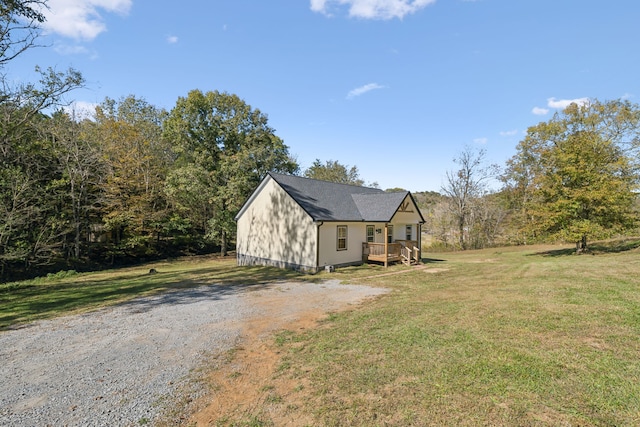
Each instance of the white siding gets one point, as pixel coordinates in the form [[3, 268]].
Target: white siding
[[275, 230], [329, 253]]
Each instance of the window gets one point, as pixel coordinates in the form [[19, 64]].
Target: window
[[390, 234], [342, 238], [409, 232], [371, 237]]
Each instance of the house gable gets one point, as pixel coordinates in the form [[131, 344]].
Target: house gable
[[407, 211], [274, 230]]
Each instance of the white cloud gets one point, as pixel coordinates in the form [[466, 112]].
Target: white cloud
[[318, 5], [81, 110], [363, 89], [81, 19], [373, 9], [539, 111], [509, 132], [172, 39], [481, 141], [65, 49], [561, 104]]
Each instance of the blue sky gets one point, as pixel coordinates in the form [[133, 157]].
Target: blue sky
[[397, 88]]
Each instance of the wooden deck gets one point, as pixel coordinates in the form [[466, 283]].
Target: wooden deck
[[376, 252], [401, 250]]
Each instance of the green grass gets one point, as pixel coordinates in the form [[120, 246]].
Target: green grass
[[529, 336], [514, 336], [68, 292]]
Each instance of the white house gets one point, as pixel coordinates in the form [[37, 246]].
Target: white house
[[307, 224]]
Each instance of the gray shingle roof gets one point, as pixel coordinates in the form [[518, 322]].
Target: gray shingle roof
[[329, 201]]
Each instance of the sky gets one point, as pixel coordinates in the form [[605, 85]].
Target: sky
[[398, 88]]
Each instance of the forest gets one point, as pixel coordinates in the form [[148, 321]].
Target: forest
[[134, 182]]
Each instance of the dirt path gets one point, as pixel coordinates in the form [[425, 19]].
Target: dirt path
[[245, 385]]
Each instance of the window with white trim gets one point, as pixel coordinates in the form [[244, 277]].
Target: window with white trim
[[341, 234], [409, 231], [390, 234], [371, 236]]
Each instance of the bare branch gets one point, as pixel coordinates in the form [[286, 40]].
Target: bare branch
[[19, 27]]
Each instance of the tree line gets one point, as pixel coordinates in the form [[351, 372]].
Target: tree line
[[573, 179], [135, 181]]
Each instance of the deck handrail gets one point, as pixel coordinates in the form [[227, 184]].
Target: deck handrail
[[378, 248], [405, 251], [408, 243]]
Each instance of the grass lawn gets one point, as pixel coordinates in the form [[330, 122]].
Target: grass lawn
[[65, 293], [517, 336]]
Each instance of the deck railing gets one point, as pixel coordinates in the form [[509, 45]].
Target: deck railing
[[408, 243], [377, 250], [410, 251], [401, 250]]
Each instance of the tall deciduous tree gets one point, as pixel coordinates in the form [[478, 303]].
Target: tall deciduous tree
[[29, 234], [573, 177], [80, 174], [138, 160], [464, 189], [220, 134], [334, 171]]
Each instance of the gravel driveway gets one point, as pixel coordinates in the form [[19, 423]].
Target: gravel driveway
[[122, 365]]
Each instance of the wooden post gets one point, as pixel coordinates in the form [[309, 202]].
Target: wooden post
[[386, 245], [419, 243], [365, 252]]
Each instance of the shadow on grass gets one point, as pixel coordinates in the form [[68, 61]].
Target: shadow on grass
[[604, 247], [190, 295], [431, 260], [53, 298]]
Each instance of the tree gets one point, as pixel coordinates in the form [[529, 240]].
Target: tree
[[334, 171], [80, 174], [19, 27], [519, 188], [464, 188], [30, 232], [190, 190], [573, 177], [439, 223], [138, 160], [220, 134], [20, 104]]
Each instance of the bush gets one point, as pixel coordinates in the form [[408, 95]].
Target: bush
[[61, 274]]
